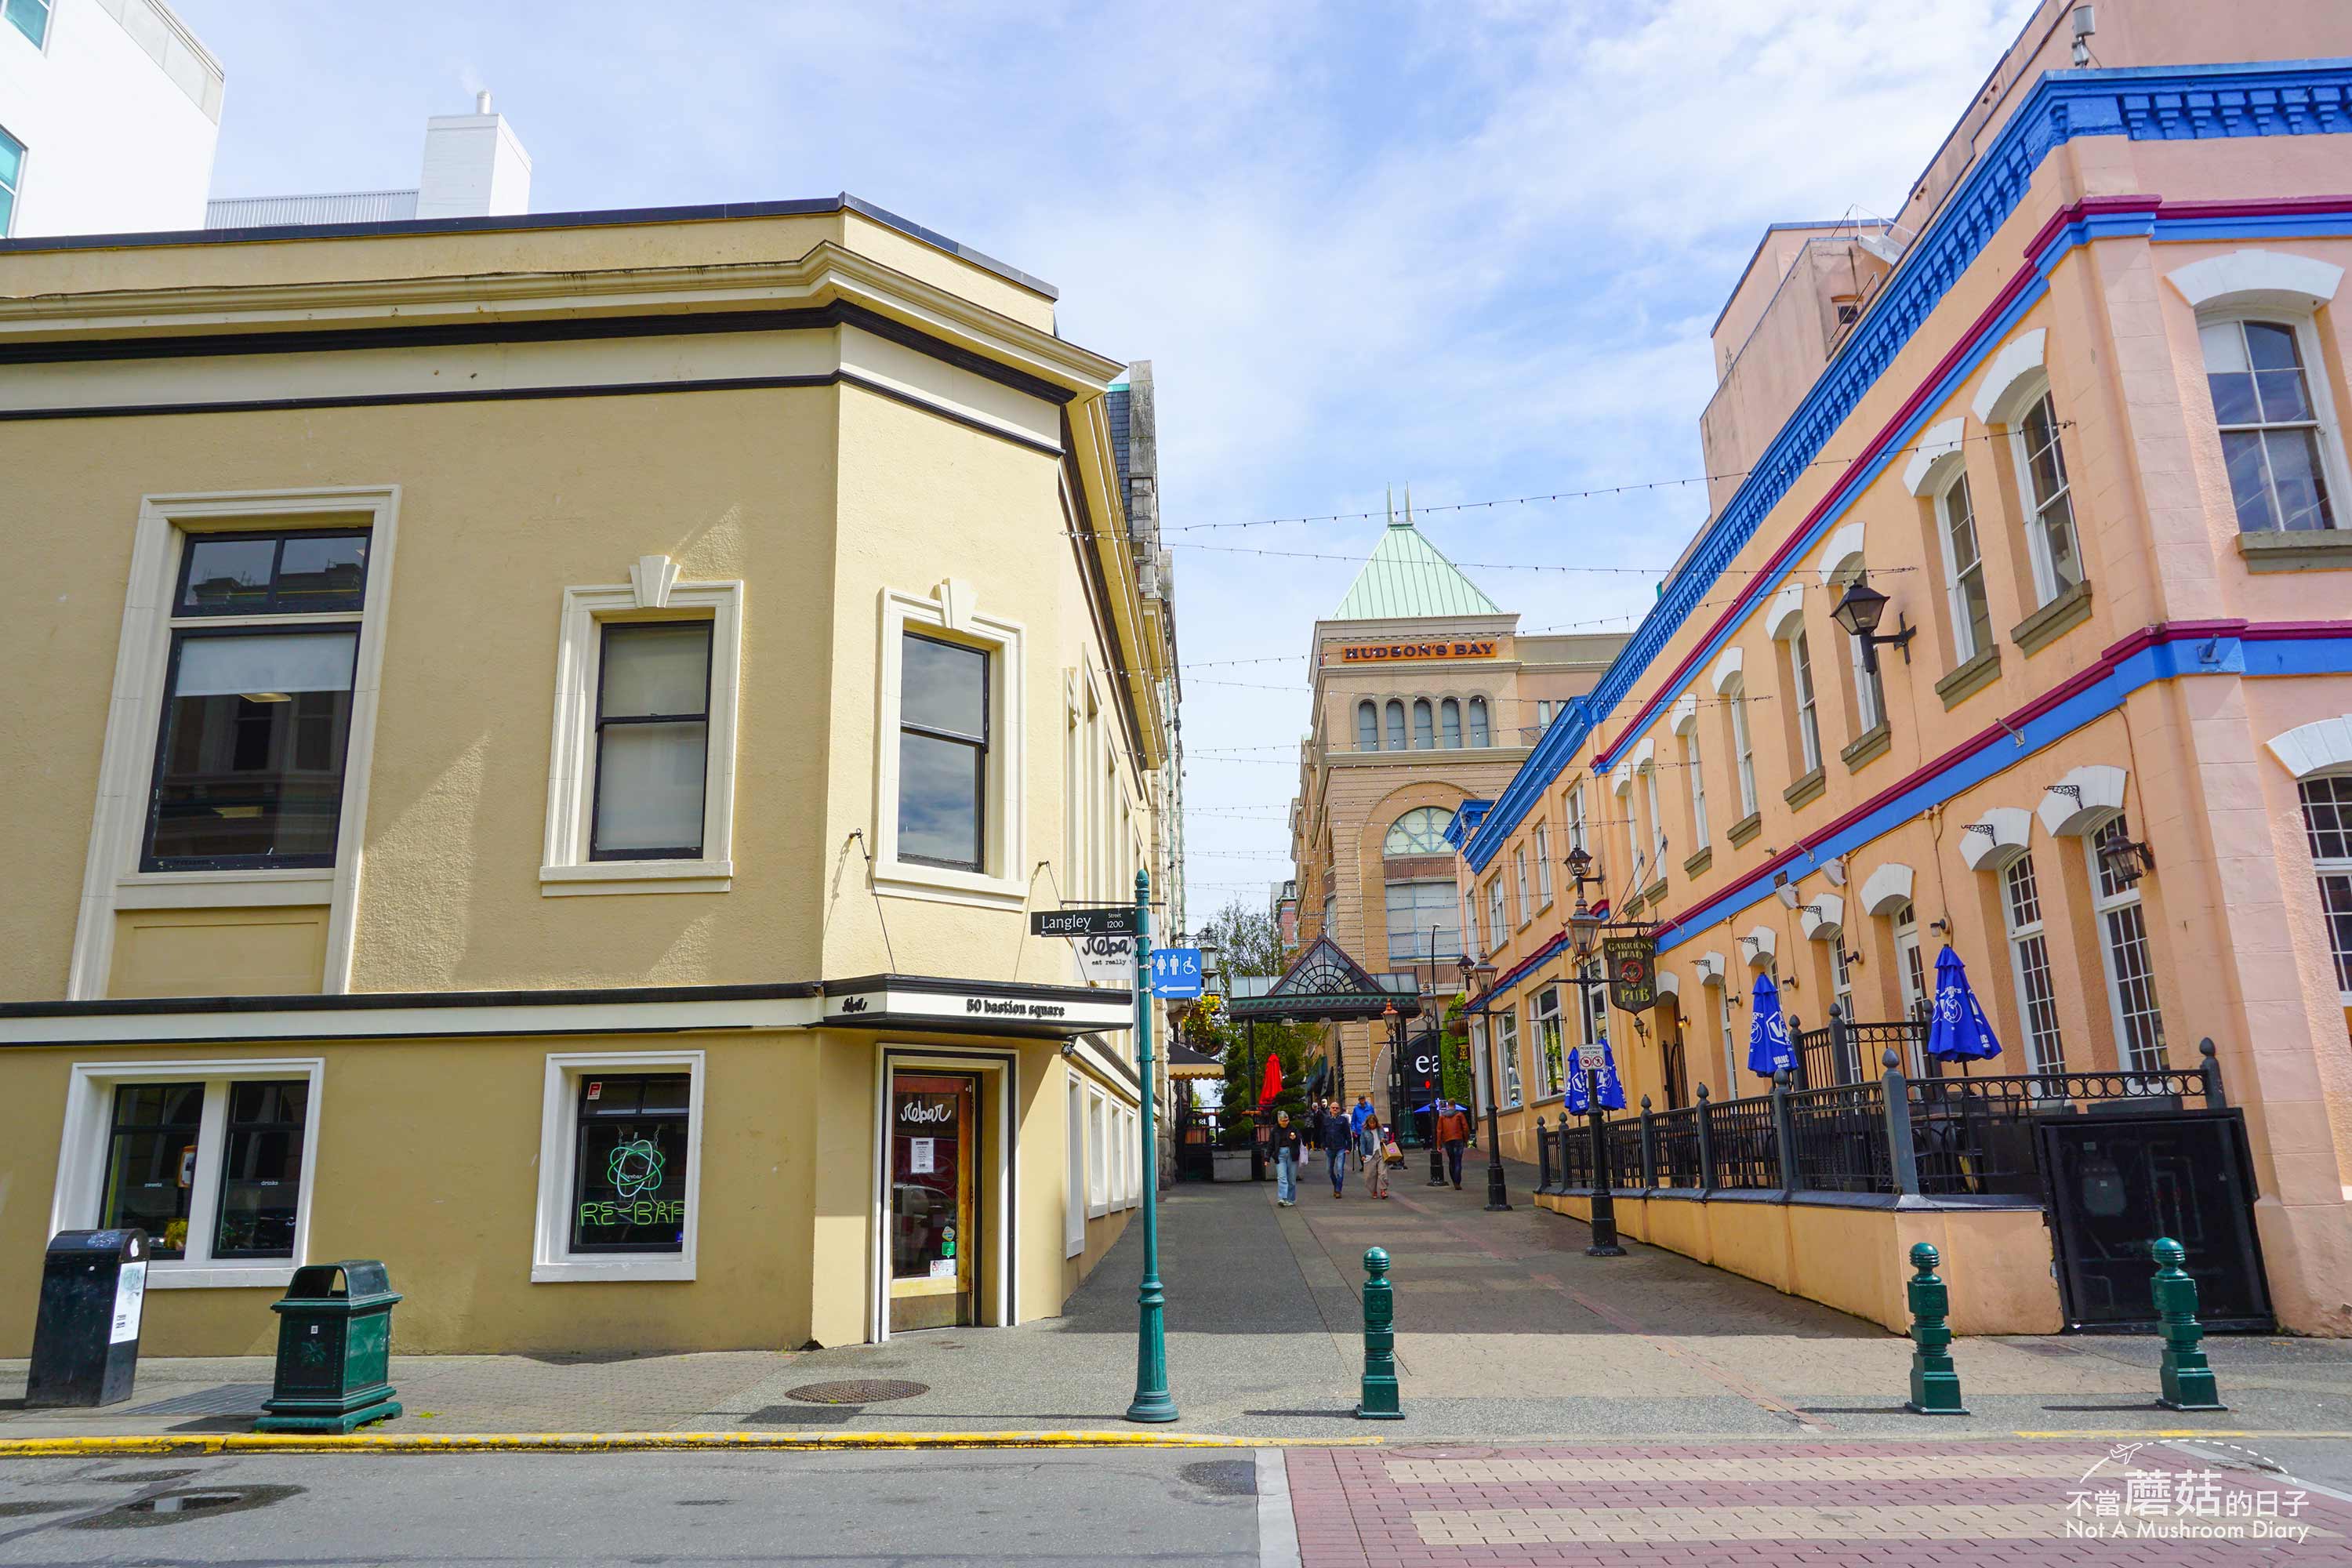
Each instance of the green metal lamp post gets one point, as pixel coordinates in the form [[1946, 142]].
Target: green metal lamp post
[[1151, 1401]]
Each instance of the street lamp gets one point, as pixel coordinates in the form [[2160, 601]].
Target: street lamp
[[1481, 977], [1583, 926], [1859, 611]]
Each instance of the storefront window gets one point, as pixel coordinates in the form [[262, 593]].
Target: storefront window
[[261, 1170], [150, 1165], [629, 1166], [933, 1194]]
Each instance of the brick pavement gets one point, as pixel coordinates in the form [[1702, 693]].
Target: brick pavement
[[1994, 1503]]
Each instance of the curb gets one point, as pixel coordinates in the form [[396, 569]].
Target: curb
[[623, 1442]]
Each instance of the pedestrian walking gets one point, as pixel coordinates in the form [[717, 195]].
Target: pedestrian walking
[[1287, 1152], [1371, 1149], [1454, 1131], [1338, 1143], [1356, 1119]]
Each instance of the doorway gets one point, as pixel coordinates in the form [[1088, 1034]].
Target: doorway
[[934, 1200]]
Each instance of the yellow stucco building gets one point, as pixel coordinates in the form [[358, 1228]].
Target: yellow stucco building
[[535, 746]]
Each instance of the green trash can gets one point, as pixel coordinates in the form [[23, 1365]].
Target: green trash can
[[334, 1350]]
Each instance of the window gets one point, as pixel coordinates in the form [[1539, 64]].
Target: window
[[1478, 734], [1576, 820], [1368, 726], [1730, 1043], [2271, 432], [2327, 819], [1595, 1004], [1842, 998], [1074, 1175], [629, 1164], [1657, 823], [2050, 504], [1420, 831], [1519, 883], [1869, 692], [1396, 726], [1543, 715], [1543, 1023], [12, 178], [212, 1160], [1425, 922], [1697, 789], [1479, 1088], [943, 730], [653, 741], [1543, 864], [1911, 971], [1506, 1045], [1495, 926], [2123, 949], [1470, 925], [2028, 956], [1449, 716], [1800, 676], [30, 17], [1743, 752], [1424, 735], [1097, 1156], [256, 714], [1964, 577]]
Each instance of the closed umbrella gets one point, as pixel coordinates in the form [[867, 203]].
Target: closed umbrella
[[1273, 1084], [1768, 1034], [1960, 1032], [1603, 1062]]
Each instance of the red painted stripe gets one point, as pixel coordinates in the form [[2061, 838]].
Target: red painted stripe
[[2283, 206], [2074, 212]]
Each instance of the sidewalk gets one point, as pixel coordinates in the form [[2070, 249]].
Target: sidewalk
[[1506, 1331]]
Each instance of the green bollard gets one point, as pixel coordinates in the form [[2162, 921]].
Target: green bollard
[[1935, 1382], [1379, 1397], [2187, 1381]]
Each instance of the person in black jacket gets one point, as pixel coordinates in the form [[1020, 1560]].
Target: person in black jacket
[[1287, 1151], [1337, 1141]]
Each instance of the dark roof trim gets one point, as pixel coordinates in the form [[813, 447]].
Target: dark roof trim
[[589, 218], [940, 985]]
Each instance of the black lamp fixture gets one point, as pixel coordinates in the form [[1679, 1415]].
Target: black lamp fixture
[[2123, 858], [1859, 611]]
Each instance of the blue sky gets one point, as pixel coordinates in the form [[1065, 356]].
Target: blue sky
[[1473, 246]]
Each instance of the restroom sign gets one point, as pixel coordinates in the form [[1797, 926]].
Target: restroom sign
[[1176, 973]]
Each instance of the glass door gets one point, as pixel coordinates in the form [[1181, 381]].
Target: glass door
[[932, 1199]]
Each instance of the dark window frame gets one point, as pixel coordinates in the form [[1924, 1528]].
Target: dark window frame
[[298, 1128], [982, 748], [180, 608], [151, 861], [582, 1120], [116, 1129], [598, 719]]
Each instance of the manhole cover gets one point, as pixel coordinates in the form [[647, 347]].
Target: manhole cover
[[857, 1391]]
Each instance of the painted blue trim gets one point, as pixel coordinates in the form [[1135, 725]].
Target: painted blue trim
[[2145, 103], [2290, 225]]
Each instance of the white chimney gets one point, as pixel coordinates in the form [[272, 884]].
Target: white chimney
[[474, 166]]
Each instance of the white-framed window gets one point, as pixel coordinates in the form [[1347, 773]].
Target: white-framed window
[[1869, 692], [1743, 750], [1479, 733], [641, 777], [1421, 923], [1424, 726], [1964, 573], [213, 1159], [1506, 1045], [1657, 822], [948, 775], [1800, 677], [1497, 926], [1593, 1001], [267, 727], [1478, 1068], [1723, 1027], [1576, 820], [2278, 437], [1396, 725], [30, 17], [2028, 963], [1367, 725], [1420, 831], [1543, 864], [2050, 537], [11, 180], [2327, 822], [2124, 954], [620, 1166], [1073, 1175], [1691, 760], [1543, 1024], [1476, 944], [1097, 1154], [1842, 988], [1519, 883]]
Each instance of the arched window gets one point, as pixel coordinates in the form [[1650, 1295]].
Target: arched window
[[1423, 736], [2271, 436], [1449, 713], [1478, 721], [1368, 726], [2049, 499], [1396, 726], [1964, 576], [1420, 831]]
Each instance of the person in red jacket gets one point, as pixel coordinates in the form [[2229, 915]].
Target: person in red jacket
[[1454, 1132]]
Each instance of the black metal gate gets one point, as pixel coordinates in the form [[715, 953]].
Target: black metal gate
[[2116, 1182]]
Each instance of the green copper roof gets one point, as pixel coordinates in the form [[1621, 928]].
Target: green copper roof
[[1407, 576]]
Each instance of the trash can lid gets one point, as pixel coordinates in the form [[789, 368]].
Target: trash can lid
[[361, 1279], [130, 1244]]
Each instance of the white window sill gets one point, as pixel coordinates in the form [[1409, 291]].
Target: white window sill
[[585, 1270], [258, 889], [635, 876], [940, 884], [1096, 1211], [271, 1275]]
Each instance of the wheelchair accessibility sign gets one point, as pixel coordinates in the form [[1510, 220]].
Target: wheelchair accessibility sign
[[1176, 973]]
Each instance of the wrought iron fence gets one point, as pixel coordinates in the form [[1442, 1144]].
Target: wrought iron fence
[[1572, 1143], [1838, 1139], [1906, 1037], [1974, 1136], [1747, 1154], [1674, 1148], [1818, 1066], [1624, 1135]]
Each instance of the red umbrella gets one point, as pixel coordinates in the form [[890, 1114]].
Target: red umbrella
[[1273, 1080]]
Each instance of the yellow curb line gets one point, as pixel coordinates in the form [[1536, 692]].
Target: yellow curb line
[[624, 1442]]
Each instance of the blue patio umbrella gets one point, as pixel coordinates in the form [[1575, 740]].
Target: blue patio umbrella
[[1768, 1034], [1961, 1032]]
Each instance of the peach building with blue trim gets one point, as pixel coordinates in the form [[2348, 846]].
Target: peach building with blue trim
[[2076, 412]]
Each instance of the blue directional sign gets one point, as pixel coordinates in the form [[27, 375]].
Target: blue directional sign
[[1176, 973]]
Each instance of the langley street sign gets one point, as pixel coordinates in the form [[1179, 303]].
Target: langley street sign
[[1116, 920]]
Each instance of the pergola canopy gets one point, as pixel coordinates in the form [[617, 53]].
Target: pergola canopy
[[1324, 986]]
